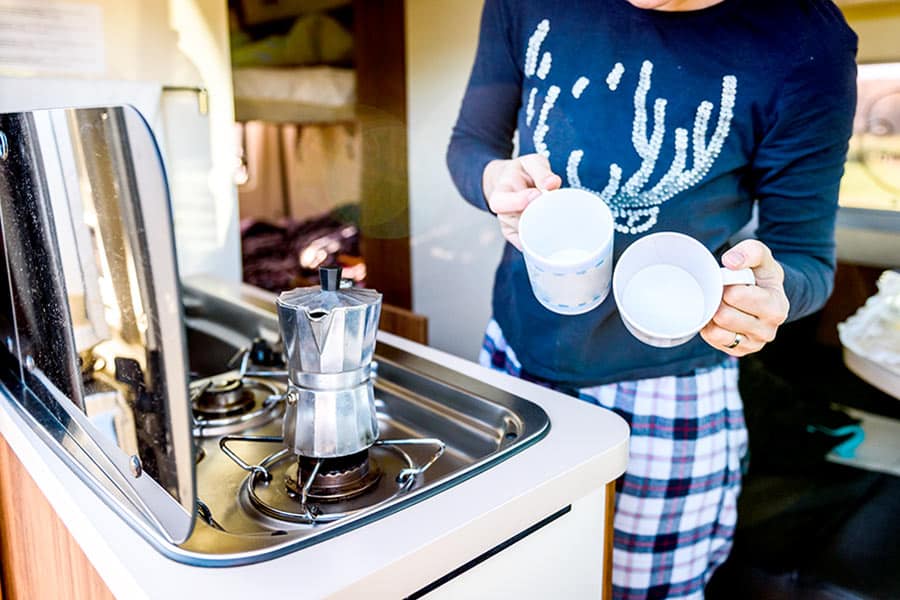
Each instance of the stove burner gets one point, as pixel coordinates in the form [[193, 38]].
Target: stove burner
[[227, 403], [336, 478], [264, 495], [223, 399], [329, 489]]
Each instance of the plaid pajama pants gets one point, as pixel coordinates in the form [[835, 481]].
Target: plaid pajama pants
[[676, 504]]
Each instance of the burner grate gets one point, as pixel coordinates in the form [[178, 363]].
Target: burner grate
[[363, 481], [228, 403], [226, 398]]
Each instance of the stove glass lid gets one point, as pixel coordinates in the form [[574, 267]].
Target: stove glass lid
[[94, 288]]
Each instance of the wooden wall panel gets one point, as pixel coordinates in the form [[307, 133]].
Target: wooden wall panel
[[404, 323], [40, 559], [380, 59]]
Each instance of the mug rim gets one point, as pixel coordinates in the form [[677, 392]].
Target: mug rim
[[600, 253], [688, 333]]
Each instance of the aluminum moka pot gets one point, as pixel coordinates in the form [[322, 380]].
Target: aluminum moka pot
[[329, 338]]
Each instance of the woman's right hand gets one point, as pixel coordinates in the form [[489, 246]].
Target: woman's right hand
[[511, 185]]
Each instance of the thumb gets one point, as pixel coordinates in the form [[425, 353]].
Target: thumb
[[537, 167], [753, 254]]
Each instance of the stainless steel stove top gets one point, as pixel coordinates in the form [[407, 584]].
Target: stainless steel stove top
[[447, 427]]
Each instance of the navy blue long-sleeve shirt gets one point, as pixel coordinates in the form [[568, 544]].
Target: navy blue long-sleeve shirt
[[679, 121]]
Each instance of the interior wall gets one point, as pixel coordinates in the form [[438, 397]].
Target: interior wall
[[139, 43], [877, 24], [149, 47], [206, 207], [455, 247]]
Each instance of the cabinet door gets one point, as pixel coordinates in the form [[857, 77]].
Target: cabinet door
[[39, 557], [565, 557]]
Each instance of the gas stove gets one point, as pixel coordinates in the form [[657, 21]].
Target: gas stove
[[437, 428]]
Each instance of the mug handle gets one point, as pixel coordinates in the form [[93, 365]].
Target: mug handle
[[730, 277]]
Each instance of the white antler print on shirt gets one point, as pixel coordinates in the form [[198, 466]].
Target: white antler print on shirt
[[636, 206], [534, 47], [541, 129]]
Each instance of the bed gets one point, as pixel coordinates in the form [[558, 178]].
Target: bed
[[303, 95]]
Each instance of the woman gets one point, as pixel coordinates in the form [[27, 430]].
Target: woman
[[680, 114]]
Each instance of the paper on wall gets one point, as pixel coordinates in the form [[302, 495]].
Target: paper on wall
[[51, 37]]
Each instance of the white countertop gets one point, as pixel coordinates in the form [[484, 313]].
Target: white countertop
[[398, 554]]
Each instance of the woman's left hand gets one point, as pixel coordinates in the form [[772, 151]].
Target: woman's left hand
[[749, 314]]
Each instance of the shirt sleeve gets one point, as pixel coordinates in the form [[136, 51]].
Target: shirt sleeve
[[798, 167], [487, 118]]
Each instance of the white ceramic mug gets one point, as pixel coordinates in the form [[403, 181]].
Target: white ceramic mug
[[668, 286], [567, 241]]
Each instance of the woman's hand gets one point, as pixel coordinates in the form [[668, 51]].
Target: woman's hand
[[753, 311], [511, 185]]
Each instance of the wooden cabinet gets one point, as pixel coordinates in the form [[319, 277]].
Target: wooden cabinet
[[40, 559]]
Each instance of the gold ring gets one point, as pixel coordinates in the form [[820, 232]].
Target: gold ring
[[738, 338]]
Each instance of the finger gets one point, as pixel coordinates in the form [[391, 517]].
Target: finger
[[753, 254], [763, 303], [720, 339], [510, 220], [513, 180], [734, 320], [512, 202], [509, 227], [537, 167]]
